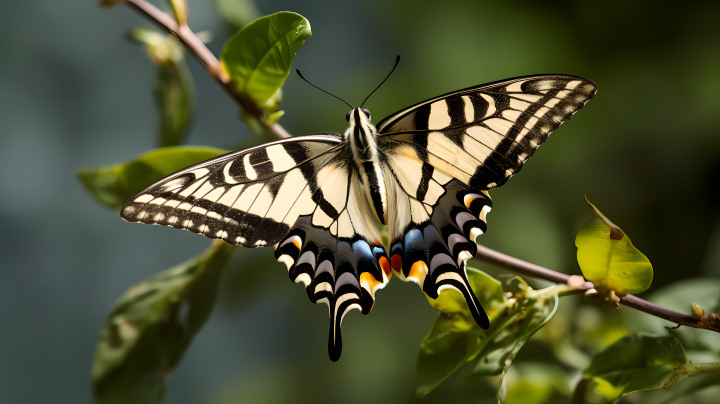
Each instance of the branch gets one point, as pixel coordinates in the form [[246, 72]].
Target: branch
[[536, 271], [196, 46]]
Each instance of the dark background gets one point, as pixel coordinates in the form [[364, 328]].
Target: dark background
[[75, 93]]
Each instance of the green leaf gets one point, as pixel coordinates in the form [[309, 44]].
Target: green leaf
[[152, 325], [536, 383], [258, 57], [174, 92], [641, 362], [454, 337], [539, 309], [275, 116], [112, 185], [611, 264]]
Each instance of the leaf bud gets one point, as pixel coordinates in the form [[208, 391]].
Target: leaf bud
[[697, 310]]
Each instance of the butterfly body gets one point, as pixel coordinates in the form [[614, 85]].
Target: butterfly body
[[424, 171]]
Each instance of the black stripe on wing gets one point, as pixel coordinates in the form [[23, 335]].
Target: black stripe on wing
[[483, 135], [342, 263], [249, 197]]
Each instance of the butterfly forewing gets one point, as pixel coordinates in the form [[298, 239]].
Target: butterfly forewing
[[250, 197], [482, 135]]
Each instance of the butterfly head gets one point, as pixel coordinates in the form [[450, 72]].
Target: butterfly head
[[361, 134], [364, 111]]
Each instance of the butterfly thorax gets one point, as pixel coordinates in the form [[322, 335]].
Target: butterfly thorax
[[362, 138]]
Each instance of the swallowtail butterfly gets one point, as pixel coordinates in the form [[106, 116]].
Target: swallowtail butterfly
[[424, 171]]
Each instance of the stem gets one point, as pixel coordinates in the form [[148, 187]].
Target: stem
[[536, 271], [208, 60], [704, 368]]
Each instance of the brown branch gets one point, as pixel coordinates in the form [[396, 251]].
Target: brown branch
[[196, 46], [536, 271]]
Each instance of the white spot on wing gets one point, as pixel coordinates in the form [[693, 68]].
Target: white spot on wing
[[515, 87], [439, 117], [280, 158], [199, 210], [287, 260], [200, 172], [469, 110], [249, 169], [571, 85], [304, 278], [491, 107], [226, 173], [552, 102], [144, 198]]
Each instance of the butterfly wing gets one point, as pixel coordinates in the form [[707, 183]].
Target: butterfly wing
[[300, 194], [445, 153], [341, 261], [249, 197], [482, 135]]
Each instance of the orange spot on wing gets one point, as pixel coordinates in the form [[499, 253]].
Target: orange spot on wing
[[368, 281], [396, 263], [418, 270], [297, 243], [385, 265], [468, 202]]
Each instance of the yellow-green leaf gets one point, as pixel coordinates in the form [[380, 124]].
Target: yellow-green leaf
[[258, 57], [611, 264]]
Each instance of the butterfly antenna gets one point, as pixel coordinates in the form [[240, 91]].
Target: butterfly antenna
[[301, 76], [388, 76]]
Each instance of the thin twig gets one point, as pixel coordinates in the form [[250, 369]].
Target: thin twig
[[536, 271], [196, 46]]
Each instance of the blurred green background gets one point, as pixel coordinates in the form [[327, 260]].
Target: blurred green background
[[75, 93]]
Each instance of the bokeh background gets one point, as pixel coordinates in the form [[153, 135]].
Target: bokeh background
[[74, 92]]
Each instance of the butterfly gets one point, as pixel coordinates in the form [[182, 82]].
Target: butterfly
[[424, 172]]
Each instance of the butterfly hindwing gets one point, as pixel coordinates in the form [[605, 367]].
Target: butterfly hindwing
[[482, 135], [250, 197], [341, 263], [433, 228]]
